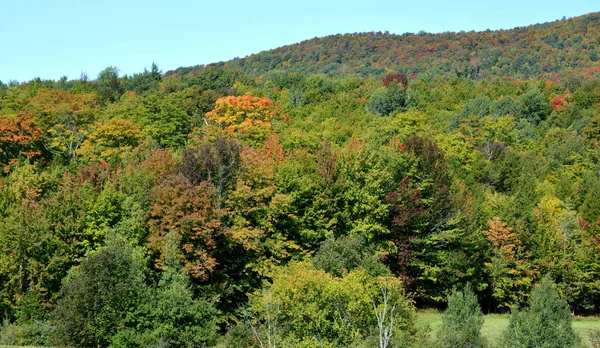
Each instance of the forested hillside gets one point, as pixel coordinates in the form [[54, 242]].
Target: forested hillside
[[549, 50], [298, 196]]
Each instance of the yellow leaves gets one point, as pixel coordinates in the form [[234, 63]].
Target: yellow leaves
[[339, 310], [548, 209], [409, 123], [550, 214], [246, 116], [114, 137]]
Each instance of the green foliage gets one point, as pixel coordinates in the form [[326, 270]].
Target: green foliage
[[217, 78], [98, 296], [483, 170], [386, 101], [169, 315], [462, 321], [30, 334], [345, 254], [110, 86], [143, 82], [533, 107], [546, 323], [304, 306]]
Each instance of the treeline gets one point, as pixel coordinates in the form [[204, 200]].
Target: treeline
[[550, 50], [288, 209]]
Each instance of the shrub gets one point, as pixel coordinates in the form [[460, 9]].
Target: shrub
[[307, 308]]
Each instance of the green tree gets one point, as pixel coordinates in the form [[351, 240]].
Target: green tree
[[386, 101], [98, 295], [462, 321], [170, 316], [143, 82], [546, 323], [110, 87], [533, 107], [345, 254]]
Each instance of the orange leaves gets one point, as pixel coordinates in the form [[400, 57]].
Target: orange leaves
[[18, 137], [18, 129], [246, 116], [502, 238], [190, 211]]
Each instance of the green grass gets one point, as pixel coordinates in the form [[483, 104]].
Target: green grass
[[495, 324]]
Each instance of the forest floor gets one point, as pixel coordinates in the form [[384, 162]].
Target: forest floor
[[495, 324]]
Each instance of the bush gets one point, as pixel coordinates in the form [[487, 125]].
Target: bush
[[462, 321], [29, 334], [169, 315], [546, 323]]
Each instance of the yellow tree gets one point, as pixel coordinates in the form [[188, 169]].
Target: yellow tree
[[246, 117], [113, 137]]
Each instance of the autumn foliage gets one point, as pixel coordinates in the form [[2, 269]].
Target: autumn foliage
[[19, 137], [190, 211], [246, 116]]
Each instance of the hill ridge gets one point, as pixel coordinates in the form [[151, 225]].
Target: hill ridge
[[567, 46]]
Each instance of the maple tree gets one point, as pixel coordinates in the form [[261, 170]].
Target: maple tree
[[19, 137], [191, 212], [113, 137], [245, 116]]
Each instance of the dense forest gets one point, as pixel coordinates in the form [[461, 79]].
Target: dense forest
[[550, 50], [310, 196]]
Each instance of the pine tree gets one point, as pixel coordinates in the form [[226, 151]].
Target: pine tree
[[546, 323], [462, 321]]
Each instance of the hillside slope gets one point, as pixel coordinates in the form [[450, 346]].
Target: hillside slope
[[568, 46]]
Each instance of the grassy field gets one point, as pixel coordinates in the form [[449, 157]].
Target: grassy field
[[493, 326], [496, 323]]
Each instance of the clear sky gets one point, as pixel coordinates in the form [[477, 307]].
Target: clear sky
[[50, 39]]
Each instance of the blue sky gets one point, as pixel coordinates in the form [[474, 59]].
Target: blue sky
[[50, 39]]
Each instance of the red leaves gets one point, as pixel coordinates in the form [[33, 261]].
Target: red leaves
[[406, 204], [399, 78], [557, 102]]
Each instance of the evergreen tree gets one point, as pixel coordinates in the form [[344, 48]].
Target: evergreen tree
[[546, 323], [462, 321]]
